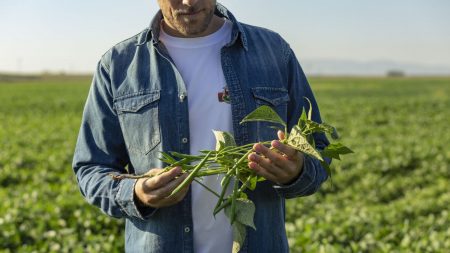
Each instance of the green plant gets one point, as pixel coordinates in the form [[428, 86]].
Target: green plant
[[231, 161]]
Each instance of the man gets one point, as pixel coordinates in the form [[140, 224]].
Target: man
[[158, 91]]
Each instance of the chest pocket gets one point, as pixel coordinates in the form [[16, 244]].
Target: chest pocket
[[139, 119], [278, 99]]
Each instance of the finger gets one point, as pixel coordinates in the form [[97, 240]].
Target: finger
[[166, 190], [163, 194], [273, 156], [154, 172], [281, 135], [262, 171], [268, 165], [290, 152], [161, 180], [173, 199], [181, 194]]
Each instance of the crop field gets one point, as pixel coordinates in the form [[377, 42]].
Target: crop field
[[391, 195]]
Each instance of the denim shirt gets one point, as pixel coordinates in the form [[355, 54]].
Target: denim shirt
[[138, 106]]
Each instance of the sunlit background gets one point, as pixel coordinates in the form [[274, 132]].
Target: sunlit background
[[380, 71], [329, 37]]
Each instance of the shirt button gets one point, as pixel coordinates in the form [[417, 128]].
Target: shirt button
[[184, 140], [182, 97], [187, 229]]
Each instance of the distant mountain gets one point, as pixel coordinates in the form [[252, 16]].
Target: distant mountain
[[372, 68]]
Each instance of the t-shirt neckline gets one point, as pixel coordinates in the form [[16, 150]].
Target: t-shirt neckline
[[196, 42]]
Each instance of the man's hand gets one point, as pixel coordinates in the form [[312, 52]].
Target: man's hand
[[280, 167], [154, 191]]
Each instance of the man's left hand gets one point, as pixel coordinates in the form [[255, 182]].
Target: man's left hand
[[281, 165]]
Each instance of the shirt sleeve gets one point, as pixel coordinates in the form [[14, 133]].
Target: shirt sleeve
[[100, 151], [313, 173]]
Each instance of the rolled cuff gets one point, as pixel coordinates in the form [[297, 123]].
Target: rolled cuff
[[302, 184], [125, 199]]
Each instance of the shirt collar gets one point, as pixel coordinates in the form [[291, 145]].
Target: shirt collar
[[152, 34]]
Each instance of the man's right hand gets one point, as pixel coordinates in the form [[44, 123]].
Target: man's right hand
[[154, 191]]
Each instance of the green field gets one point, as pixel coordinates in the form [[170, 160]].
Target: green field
[[392, 195]]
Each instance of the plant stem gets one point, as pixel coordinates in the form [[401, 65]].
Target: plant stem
[[226, 182], [207, 188], [191, 175], [236, 186]]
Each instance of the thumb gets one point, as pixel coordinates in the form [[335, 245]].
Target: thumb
[[280, 135]]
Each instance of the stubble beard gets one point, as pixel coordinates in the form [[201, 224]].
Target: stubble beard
[[192, 27]]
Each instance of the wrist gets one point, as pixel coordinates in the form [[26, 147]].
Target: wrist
[[298, 174], [137, 201]]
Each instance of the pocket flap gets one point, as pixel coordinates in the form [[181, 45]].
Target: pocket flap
[[134, 102], [272, 95]]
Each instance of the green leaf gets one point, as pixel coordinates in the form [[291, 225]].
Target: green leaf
[[300, 143], [310, 127], [245, 210], [166, 158], [327, 168], [310, 108], [180, 155], [315, 127], [311, 140], [252, 183], [302, 119], [334, 134], [334, 151], [331, 130], [223, 139], [239, 234], [264, 113]]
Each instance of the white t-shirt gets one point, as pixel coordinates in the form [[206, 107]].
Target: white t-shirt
[[199, 63]]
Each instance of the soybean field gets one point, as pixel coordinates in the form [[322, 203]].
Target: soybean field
[[391, 195]]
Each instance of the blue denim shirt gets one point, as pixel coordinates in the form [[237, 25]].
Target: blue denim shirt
[[138, 106]]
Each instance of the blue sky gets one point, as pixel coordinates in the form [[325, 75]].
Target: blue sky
[[63, 35]]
